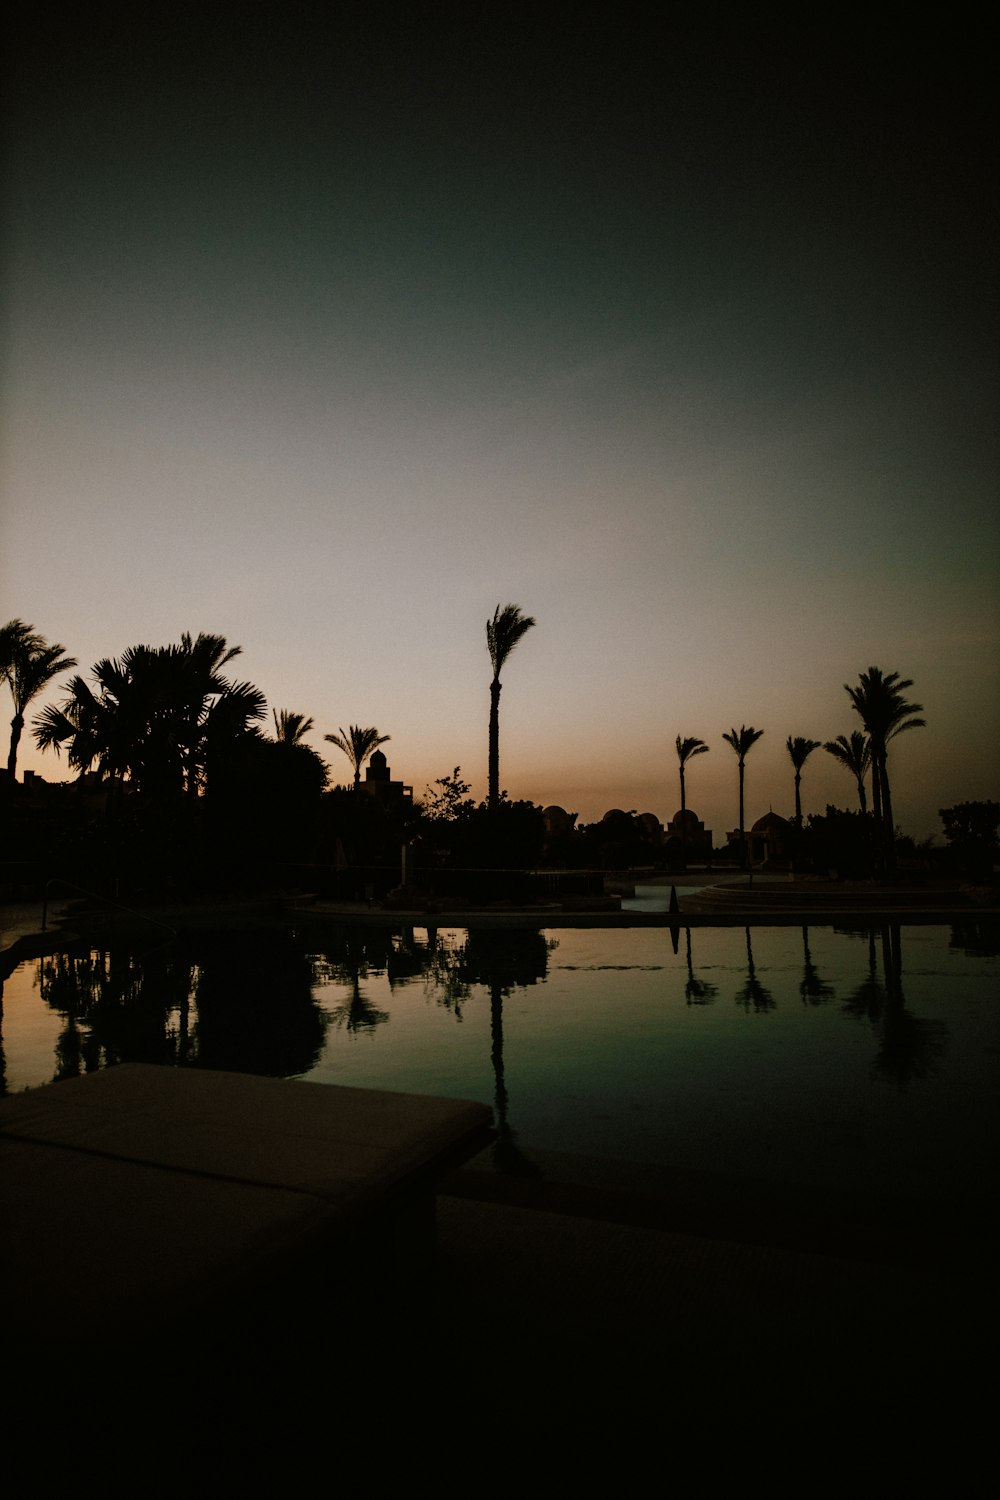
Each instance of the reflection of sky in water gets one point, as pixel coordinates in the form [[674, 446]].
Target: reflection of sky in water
[[780, 1054]]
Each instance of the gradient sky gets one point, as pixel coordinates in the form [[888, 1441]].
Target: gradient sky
[[329, 336]]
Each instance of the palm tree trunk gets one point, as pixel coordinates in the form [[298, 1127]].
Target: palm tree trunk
[[742, 834], [683, 822], [888, 829], [16, 726], [494, 768], [862, 796], [798, 799], [879, 831]]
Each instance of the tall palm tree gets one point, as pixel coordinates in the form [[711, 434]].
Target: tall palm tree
[[27, 664], [742, 741], [503, 632], [685, 750], [799, 750], [357, 744], [289, 728], [855, 754], [878, 698], [15, 638]]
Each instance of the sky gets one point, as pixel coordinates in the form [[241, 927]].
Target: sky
[[327, 329]]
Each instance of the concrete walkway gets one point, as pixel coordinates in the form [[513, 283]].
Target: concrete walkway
[[24, 919]]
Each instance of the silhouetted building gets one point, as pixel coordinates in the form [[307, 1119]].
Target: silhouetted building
[[768, 841], [558, 822], [687, 831], [652, 828], [378, 782]]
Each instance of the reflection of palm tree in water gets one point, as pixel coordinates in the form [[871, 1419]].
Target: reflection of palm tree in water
[[72, 1052], [503, 961], [497, 960], [753, 995], [444, 968], [812, 989], [118, 1006], [867, 1002], [506, 1154], [908, 1046], [73, 987], [349, 962], [697, 991], [357, 1013]]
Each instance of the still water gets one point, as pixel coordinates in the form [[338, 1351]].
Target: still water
[[863, 1059]]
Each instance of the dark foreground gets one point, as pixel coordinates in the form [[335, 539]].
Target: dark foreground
[[581, 1326], [587, 1325], [577, 1348]]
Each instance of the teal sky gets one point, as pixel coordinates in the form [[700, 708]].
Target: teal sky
[[330, 337]]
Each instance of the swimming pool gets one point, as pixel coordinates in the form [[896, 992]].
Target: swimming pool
[[860, 1059]]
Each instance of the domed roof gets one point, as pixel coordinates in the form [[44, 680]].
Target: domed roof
[[557, 819], [687, 816], [769, 820], [613, 812]]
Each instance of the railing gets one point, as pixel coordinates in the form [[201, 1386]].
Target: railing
[[96, 896]]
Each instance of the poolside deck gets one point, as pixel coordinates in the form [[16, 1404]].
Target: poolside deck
[[562, 1333]]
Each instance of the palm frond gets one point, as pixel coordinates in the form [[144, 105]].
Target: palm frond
[[507, 627], [855, 752], [290, 728], [743, 739], [688, 747], [877, 698], [357, 743], [800, 749]]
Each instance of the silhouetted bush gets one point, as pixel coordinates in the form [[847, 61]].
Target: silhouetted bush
[[840, 843], [973, 833]]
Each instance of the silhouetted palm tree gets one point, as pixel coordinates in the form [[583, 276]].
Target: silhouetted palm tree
[[86, 725], [156, 717], [503, 632], [27, 664], [799, 750], [742, 741], [685, 750], [854, 753], [357, 744], [878, 699], [212, 712], [289, 728], [16, 636]]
